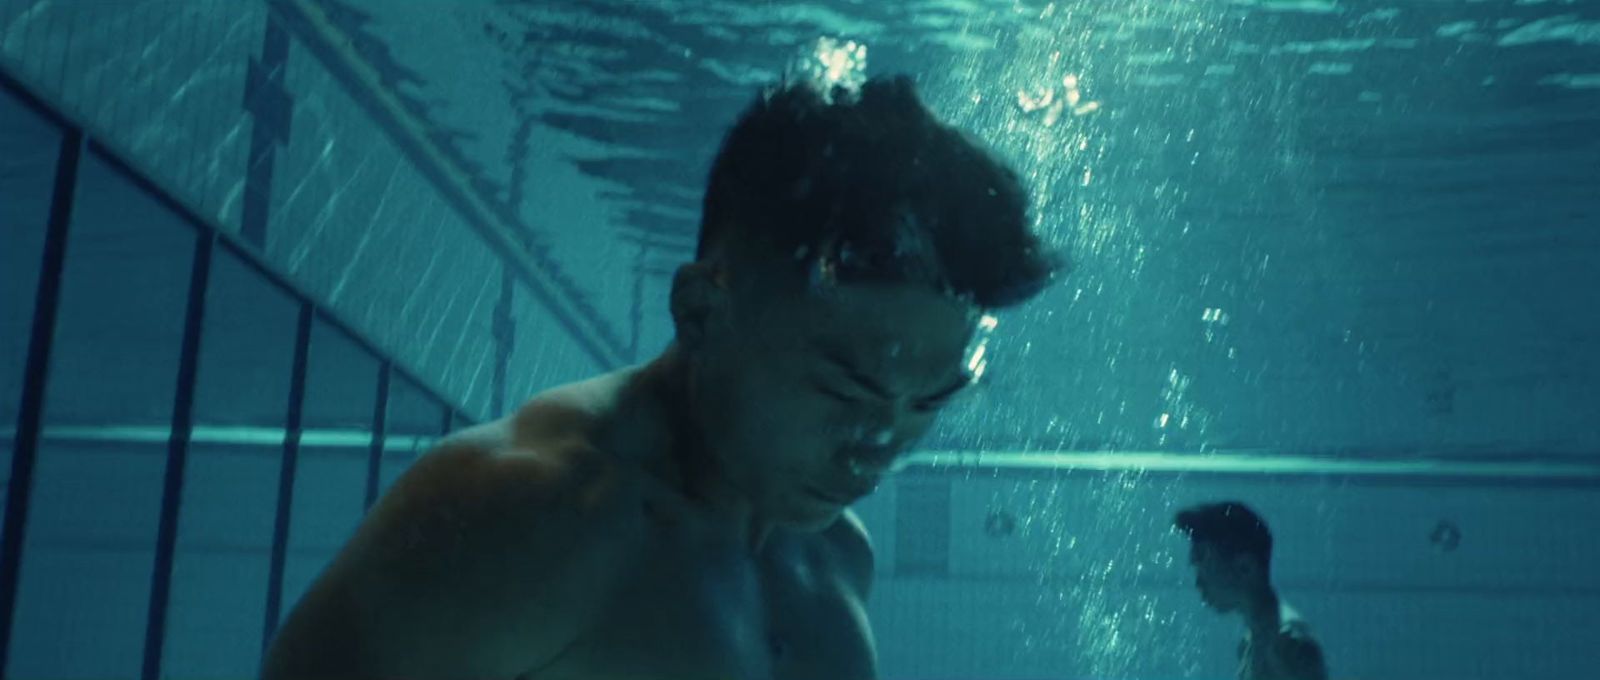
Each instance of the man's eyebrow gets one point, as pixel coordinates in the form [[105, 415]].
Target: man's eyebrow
[[843, 362]]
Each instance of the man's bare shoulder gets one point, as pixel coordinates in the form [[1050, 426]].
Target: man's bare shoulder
[[1292, 653], [501, 466], [482, 560], [542, 454], [530, 484], [478, 562]]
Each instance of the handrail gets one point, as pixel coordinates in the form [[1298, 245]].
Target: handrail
[[118, 157], [494, 222]]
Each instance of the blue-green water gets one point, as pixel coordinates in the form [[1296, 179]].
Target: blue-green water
[[1332, 258]]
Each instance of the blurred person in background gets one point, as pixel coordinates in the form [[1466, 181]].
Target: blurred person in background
[[1231, 552]]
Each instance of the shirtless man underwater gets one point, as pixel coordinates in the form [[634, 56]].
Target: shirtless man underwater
[[1231, 552], [686, 519]]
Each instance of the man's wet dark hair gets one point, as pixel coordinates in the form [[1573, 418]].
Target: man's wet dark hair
[[1231, 526], [869, 186]]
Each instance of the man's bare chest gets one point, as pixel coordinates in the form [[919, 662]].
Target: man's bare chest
[[698, 607]]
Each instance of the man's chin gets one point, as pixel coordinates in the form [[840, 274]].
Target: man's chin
[[810, 518], [803, 511]]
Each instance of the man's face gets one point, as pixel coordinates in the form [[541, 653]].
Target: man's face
[[1221, 578], [807, 398]]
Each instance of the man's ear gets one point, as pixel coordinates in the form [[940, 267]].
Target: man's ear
[[699, 299]]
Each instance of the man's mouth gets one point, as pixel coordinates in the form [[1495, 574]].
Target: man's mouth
[[833, 497]]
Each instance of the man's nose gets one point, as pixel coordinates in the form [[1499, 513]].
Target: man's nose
[[879, 423], [876, 438], [864, 461]]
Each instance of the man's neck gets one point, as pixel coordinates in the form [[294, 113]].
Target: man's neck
[[1262, 613], [655, 420]]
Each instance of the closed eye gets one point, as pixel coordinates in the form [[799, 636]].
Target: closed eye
[[834, 394], [942, 397]]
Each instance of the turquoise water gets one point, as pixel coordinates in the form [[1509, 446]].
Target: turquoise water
[[1335, 259]]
